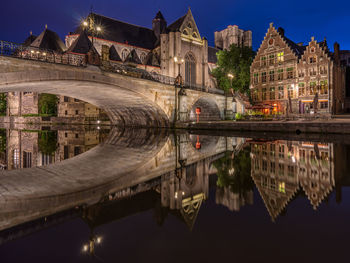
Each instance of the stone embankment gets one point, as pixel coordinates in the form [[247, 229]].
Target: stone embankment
[[333, 126]]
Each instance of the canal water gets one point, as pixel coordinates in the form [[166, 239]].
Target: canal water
[[186, 197]]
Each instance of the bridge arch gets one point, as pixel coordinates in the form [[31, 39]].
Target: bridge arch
[[210, 110]]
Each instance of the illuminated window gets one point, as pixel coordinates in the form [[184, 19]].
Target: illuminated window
[[301, 89], [323, 87], [290, 91], [312, 88], [280, 57], [282, 187]]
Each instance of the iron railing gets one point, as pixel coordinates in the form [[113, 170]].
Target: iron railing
[[32, 53]]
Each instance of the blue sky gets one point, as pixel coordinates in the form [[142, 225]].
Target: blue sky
[[300, 19]]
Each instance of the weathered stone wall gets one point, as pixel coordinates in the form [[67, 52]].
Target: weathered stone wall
[[128, 101]]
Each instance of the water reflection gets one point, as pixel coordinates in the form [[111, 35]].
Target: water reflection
[[180, 177], [29, 148]]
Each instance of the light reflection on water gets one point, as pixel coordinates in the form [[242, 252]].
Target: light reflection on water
[[248, 195]]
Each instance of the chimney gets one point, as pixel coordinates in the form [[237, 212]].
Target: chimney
[[281, 31]]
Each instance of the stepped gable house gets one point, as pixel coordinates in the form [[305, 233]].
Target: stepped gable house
[[296, 79], [155, 49]]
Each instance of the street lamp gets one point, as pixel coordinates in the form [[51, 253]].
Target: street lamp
[[90, 246], [178, 83], [90, 26]]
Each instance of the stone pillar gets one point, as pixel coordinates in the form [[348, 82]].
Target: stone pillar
[[105, 53], [183, 114], [228, 110]]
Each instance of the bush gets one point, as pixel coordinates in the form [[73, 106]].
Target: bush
[[239, 116]]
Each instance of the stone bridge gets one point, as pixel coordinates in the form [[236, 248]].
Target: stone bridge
[[126, 158], [129, 101]]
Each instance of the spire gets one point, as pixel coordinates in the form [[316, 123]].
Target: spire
[[159, 15]]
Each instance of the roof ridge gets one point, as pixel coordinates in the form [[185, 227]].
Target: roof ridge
[[122, 21]]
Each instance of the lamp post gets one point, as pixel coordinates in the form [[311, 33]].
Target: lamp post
[[90, 26], [178, 83], [90, 246], [230, 76]]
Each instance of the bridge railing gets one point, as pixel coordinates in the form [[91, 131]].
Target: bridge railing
[[32, 53]]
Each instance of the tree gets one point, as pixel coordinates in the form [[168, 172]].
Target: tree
[[235, 61], [48, 104], [47, 142]]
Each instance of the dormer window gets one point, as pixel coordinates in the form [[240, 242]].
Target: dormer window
[[194, 35], [185, 32], [125, 54], [189, 25]]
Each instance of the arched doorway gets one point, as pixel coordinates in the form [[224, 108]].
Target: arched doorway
[[190, 70], [209, 110]]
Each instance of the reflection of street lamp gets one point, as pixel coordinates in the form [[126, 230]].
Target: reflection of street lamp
[[90, 26], [178, 83], [90, 246]]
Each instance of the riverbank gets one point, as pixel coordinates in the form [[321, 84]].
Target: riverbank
[[330, 126]]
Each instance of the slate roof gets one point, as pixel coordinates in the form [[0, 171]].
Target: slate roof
[[81, 45], [152, 60], [297, 50], [49, 40], [159, 15], [29, 40], [113, 54], [174, 27], [212, 58], [122, 32], [133, 57]]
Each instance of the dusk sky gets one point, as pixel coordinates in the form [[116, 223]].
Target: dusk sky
[[300, 19]]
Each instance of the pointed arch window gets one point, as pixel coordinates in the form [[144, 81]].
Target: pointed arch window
[[190, 69], [143, 57], [125, 54], [185, 32]]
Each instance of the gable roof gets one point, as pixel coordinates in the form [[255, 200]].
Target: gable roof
[[113, 54], [175, 26], [133, 57], [121, 32], [29, 40], [81, 45], [49, 40]]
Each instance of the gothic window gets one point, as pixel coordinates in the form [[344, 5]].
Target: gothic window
[[189, 25], [185, 32], [190, 69], [125, 54], [143, 57], [194, 35]]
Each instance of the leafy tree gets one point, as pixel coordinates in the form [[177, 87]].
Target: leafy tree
[[47, 142], [3, 103], [235, 61], [239, 181], [2, 140], [48, 104]]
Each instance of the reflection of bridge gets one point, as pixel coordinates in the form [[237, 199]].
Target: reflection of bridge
[[127, 158], [127, 99]]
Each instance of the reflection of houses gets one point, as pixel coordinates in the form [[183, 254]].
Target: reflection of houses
[[233, 201], [72, 143], [23, 147], [281, 168], [21, 103], [69, 107]]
